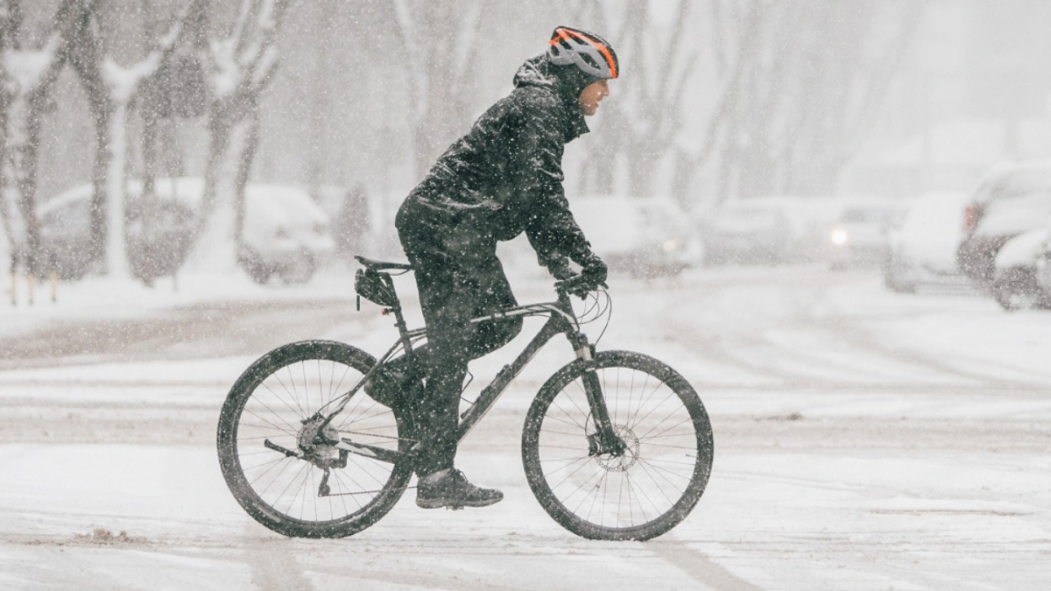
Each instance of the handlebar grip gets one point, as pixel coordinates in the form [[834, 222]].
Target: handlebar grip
[[578, 285]]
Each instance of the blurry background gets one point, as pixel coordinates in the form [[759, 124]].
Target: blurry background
[[719, 100]]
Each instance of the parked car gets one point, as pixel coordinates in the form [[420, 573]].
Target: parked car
[[157, 246], [646, 237], [753, 230], [1010, 200], [774, 229], [65, 233], [1015, 283], [859, 236], [1043, 267], [811, 219], [285, 233], [922, 248]]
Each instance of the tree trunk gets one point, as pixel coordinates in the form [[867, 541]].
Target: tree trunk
[[116, 154], [99, 226], [244, 168], [25, 156], [220, 126], [148, 197], [8, 31]]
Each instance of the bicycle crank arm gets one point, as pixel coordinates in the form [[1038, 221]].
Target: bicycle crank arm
[[370, 451]]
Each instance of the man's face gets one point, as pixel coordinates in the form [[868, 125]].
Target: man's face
[[591, 96]]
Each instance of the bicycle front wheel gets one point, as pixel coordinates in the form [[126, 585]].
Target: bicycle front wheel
[[643, 492], [277, 471]]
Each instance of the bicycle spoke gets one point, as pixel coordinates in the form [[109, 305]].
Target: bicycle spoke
[[568, 476], [277, 410], [577, 458], [294, 393], [282, 399], [564, 468], [656, 484], [670, 415], [291, 430], [306, 382], [629, 494], [566, 414], [662, 471], [335, 392], [561, 433]]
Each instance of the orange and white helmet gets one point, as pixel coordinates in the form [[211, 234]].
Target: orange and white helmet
[[588, 51]]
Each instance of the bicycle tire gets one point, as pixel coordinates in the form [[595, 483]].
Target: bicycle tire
[[647, 401], [262, 407]]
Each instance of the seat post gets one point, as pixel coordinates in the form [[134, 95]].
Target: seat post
[[399, 318]]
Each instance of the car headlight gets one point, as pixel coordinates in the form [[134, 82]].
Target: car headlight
[[670, 245], [839, 237]]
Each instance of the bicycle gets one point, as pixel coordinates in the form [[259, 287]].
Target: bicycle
[[616, 445]]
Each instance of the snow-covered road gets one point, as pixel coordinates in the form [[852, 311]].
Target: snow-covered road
[[864, 440]]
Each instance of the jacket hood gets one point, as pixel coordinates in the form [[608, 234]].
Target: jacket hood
[[566, 81]]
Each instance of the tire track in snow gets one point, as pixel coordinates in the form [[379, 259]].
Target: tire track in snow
[[744, 347], [855, 332], [193, 332], [700, 568], [273, 563]]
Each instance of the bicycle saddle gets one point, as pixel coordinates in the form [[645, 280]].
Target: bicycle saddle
[[381, 265]]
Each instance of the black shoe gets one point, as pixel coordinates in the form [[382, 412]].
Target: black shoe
[[450, 488]]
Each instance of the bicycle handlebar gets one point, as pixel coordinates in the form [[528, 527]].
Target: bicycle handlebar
[[578, 285]]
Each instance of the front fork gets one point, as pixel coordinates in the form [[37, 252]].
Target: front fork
[[605, 439]]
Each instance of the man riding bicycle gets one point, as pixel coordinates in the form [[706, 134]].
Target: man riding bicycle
[[502, 178]]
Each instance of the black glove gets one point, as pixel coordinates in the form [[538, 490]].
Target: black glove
[[594, 270], [576, 285], [561, 270]]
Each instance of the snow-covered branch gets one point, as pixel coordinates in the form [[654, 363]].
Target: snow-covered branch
[[27, 69]]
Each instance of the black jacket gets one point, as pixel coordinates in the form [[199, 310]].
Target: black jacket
[[505, 176]]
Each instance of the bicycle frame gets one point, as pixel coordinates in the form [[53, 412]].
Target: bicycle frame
[[561, 320]]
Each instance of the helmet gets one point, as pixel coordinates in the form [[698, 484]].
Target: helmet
[[588, 51]]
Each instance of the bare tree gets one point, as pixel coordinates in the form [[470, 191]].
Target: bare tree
[[736, 40], [440, 59], [802, 100], [241, 65], [111, 89], [766, 96], [26, 80]]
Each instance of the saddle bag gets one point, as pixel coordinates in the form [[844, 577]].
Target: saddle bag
[[375, 287]]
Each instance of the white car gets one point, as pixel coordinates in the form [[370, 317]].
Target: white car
[[922, 249], [642, 237], [756, 230], [774, 229], [285, 233], [859, 236], [1012, 198], [154, 249], [1015, 282]]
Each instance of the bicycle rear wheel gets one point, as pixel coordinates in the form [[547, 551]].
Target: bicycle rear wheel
[[266, 449], [660, 477]]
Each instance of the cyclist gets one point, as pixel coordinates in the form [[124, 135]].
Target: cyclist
[[502, 178]]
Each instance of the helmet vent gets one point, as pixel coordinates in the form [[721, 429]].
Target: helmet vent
[[591, 53]]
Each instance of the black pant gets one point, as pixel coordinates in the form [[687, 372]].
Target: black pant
[[459, 278]]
